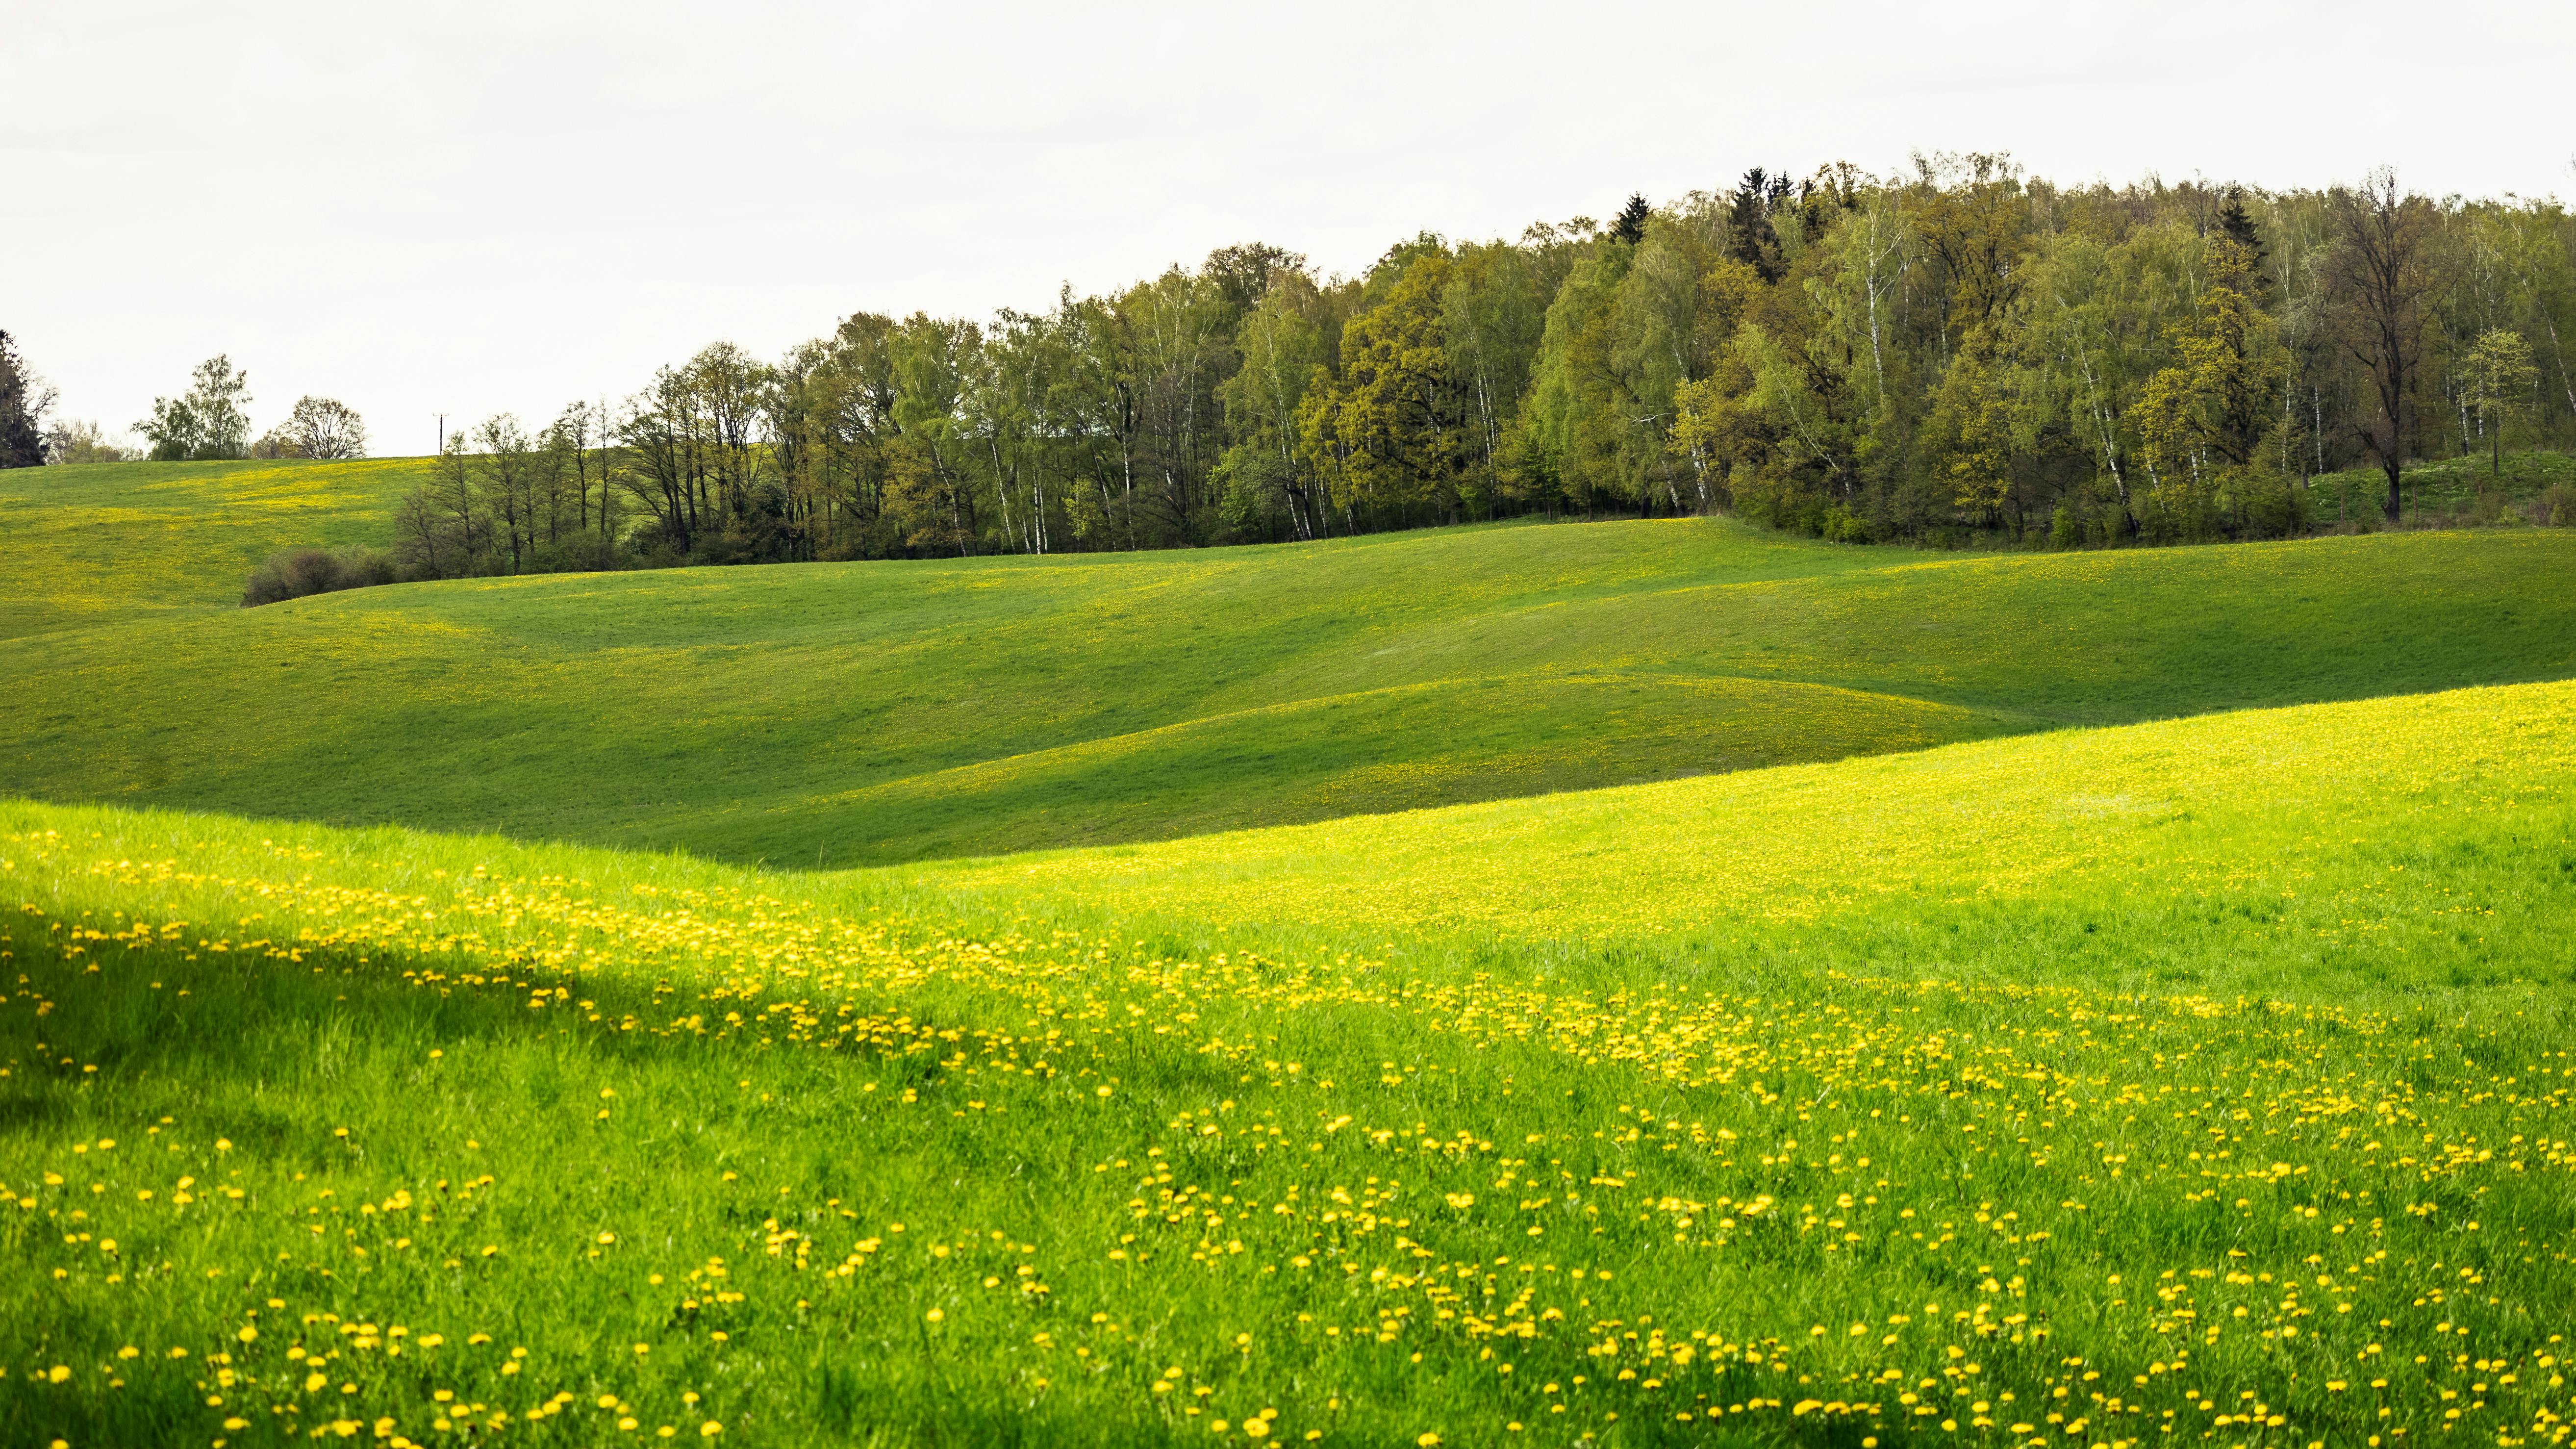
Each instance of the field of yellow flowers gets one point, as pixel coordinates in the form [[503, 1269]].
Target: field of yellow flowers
[[1677, 1115]]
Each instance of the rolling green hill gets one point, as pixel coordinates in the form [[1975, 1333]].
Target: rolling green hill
[[851, 713], [2065, 1067], [2213, 1072], [2363, 851], [112, 542]]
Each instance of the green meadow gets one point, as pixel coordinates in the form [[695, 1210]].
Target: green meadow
[[1964, 1102], [111, 543], [1575, 984], [844, 714]]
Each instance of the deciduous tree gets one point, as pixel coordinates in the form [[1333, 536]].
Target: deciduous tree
[[2500, 378], [211, 420], [321, 427], [2379, 277]]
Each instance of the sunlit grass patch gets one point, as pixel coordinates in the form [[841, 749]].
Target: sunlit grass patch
[[2140, 818], [103, 544], [442, 1138]]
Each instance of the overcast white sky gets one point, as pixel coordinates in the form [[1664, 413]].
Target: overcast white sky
[[472, 206]]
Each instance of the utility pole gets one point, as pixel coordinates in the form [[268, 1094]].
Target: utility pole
[[442, 436]]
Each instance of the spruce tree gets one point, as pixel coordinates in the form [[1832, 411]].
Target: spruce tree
[[22, 406], [1630, 224], [2238, 224], [1751, 237]]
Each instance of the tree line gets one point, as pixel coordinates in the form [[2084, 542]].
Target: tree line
[[1960, 352], [210, 421], [1955, 353]]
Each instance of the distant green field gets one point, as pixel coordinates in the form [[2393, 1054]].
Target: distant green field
[[853, 713], [112, 542], [2202, 1081]]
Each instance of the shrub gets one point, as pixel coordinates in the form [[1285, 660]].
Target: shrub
[[2556, 508], [301, 571]]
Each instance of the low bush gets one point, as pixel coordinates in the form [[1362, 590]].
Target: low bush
[[301, 571], [2555, 507]]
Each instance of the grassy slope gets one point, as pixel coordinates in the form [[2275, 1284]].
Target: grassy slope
[[876, 712], [2105, 1034], [2441, 487], [113, 542], [2318, 827]]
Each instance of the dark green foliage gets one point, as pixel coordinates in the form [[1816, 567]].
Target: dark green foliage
[[1751, 238], [298, 572], [1630, 224], [2237, 224], [22, 407]]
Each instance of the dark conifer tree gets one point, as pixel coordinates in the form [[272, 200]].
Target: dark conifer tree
[[1751, 236], [2238, 224], [1630, 225], [22, 427]]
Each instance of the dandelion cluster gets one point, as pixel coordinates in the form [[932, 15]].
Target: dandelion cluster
[[1228, 1195]]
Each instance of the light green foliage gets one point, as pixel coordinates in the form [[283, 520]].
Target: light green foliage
[[1958, 355], [1630, 325], [1572, 424], [1495, 313], [1814, 448], [2095, 323], [2498, 380], [1271, 484], [1856, 288], [209, 421]]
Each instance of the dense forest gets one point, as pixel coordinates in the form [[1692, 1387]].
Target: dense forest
[[1960, 353]]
